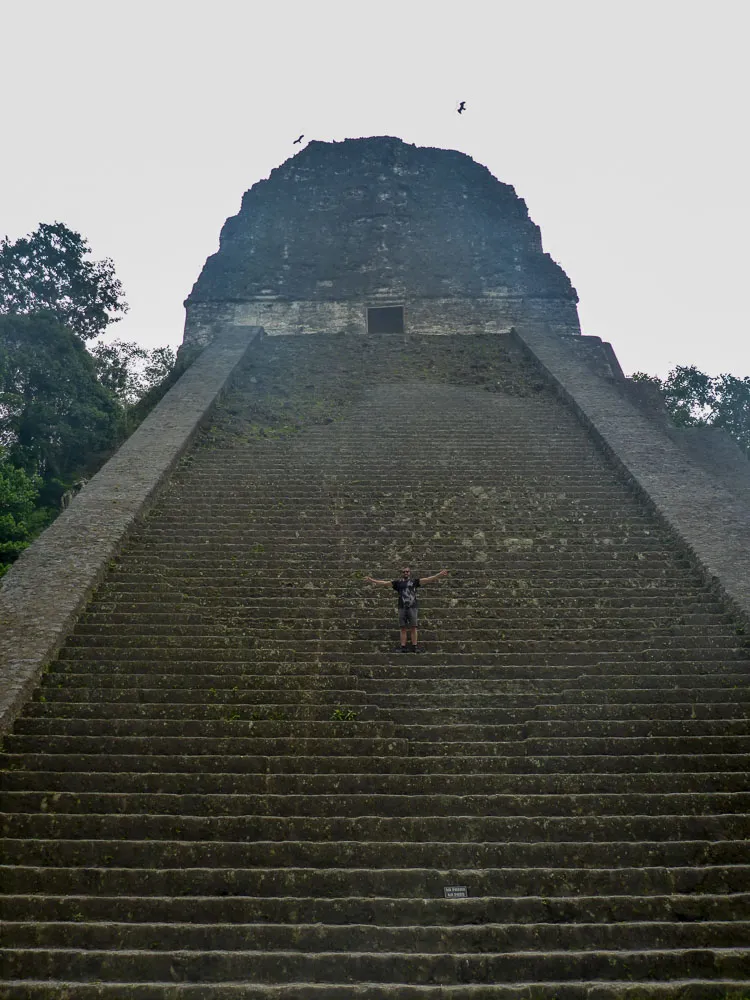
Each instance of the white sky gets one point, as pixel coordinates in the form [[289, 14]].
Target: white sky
[[624, 125]]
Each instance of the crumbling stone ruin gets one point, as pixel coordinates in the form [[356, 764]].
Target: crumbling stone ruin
[[360, 235], [219, 778]]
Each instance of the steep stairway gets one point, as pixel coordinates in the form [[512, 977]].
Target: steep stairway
[[230, 784]]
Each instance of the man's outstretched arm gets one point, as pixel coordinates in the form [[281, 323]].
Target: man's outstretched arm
[[429, 579], [370, 579]]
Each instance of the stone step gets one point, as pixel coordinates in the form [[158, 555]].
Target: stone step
[[343, 783], [368, 803], [121, 634], [572, 535], [266, 578], [371, 485], [512, 620], [233, 535], [337, 967], [393, 671], [366, 460], [391, 831], [627, 989], [280, 745], [491, 937], [469, 914], [243, 693], [317, 464], [359, 491], [371, 488], [451, 435], [532, 544], [359, 488], [491, 597], [347, 729], [433, 640], [673, 652], [67, 675], [495, 560], [359, 455], [576, 503], [415, 710], [323, 710], [360, 654], [402, 674], [331, 544], [484, 604], [464, 713], [702, 681], [681, 761], [214, 537], [353, 879]]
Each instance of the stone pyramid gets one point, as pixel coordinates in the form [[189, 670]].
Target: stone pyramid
[[222, 779]]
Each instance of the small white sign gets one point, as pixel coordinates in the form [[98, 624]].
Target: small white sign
[[455, 892]]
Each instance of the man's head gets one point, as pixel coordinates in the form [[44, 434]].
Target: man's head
[[405, 573]]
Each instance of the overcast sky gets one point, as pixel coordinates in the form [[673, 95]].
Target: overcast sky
[[623, 126]]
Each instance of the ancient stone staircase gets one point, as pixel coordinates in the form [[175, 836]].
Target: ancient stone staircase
[[230, 785]]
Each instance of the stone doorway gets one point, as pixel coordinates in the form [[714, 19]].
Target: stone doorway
[[385, 319]]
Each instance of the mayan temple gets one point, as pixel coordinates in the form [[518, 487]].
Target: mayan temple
[[222, 778]]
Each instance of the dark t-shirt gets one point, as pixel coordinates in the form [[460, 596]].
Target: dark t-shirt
[[407, 592]]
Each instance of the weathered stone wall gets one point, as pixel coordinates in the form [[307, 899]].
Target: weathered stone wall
[[705, 507], [44, 591], [422, 317], [345, 225]]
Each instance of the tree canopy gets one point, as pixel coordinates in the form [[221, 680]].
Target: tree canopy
[[695, 399], [128, 370], [56, 419], [63, 408], [49, 271], [19, 495]]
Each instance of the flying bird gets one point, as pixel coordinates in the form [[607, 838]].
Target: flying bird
[[298, 140], [461, 108]]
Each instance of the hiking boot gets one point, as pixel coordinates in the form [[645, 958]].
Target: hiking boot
[[400, 649], [416, 649]]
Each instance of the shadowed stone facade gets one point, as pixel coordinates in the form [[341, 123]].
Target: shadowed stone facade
[[370, 222]]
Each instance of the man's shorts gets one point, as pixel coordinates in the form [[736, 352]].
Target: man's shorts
[[407, 617]]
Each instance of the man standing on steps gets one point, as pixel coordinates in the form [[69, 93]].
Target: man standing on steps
[[407, 602]]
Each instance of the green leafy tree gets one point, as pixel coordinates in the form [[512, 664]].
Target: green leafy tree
[[160, 363], [48, 271], [129, 370], [63, 408], [56, 419], [695, 399], [732, 407], [19, 495]]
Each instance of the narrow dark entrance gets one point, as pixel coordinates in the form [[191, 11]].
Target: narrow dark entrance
[[385, 319]]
